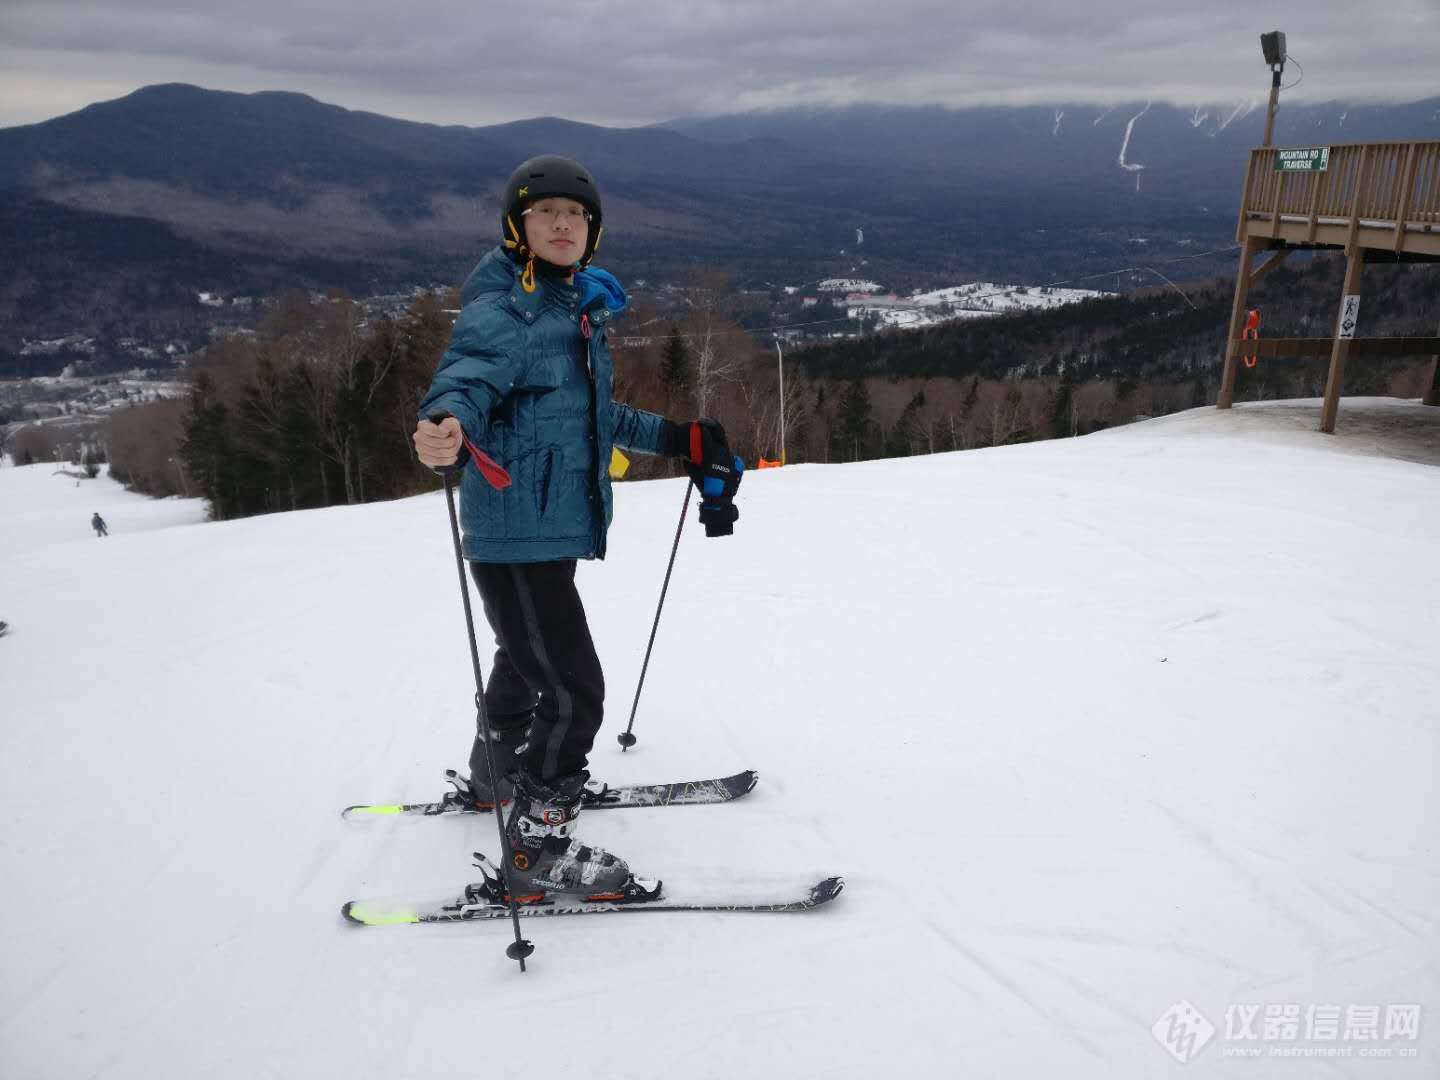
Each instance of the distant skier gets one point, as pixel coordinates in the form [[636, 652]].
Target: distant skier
[[98, 524], [525, 387]]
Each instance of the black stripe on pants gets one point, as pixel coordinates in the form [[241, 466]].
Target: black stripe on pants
[[545, 656]]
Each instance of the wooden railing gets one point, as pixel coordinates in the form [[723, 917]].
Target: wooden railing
[[1390, 186]]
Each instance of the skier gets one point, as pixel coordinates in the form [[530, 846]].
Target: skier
[[523, 394], [98, 524]]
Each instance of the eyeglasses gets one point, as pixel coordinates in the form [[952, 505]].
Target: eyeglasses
[[571, 215]]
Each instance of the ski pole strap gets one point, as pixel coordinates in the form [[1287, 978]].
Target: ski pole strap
[[489, 468]]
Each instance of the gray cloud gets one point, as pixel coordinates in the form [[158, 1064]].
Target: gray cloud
[[632, 62]]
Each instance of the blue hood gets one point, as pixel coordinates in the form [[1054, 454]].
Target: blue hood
[[600, 287]]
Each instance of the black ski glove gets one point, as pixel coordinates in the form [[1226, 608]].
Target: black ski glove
[[713, 469]]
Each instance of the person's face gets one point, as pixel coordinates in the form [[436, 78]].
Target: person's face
[[557, 230]]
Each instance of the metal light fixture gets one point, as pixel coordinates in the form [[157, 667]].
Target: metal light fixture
[[1273, 46]]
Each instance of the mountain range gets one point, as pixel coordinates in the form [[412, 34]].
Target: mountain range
[[115, 215]]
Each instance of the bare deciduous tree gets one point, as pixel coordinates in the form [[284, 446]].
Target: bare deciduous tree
[[718, 345]]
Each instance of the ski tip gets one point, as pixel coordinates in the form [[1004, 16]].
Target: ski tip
[[363, 914], [827, 890], [351, 812], [750, 778]]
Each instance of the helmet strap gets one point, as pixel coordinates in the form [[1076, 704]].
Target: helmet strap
[[599, 232]]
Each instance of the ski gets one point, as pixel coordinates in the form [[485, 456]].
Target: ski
[[597, 796], [485, 900]]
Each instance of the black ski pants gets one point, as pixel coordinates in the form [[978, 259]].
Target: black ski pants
[[545, 665]]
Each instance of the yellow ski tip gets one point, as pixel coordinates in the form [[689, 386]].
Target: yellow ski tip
[[358, 911], [355, 811]]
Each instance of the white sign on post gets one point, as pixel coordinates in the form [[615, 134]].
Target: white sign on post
[[1349, 316]]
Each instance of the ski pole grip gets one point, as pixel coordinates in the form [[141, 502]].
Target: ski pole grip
[[445, 472]]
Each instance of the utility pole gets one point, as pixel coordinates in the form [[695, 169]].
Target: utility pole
[[780, 359], [1272, 45]]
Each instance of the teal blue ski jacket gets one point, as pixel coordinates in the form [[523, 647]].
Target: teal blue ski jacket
[[529, 376]]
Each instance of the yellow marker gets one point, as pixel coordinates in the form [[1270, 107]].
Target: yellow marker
[[619, 464]]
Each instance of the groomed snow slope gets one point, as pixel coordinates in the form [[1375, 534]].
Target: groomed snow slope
[[1091, 727]]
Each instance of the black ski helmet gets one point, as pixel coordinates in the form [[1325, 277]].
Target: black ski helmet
[[546, 177]]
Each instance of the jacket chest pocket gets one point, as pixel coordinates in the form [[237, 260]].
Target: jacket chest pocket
[[538, 378], [541, 375], [536, 391]]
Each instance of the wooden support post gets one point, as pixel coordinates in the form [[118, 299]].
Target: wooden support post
[[1237, 310], [1344, 331], [1432, 396]]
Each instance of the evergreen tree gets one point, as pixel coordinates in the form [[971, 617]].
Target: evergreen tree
[[675, 366], [971, 396], [907, 432], [205, 447], [853, 423], [1061, 426]]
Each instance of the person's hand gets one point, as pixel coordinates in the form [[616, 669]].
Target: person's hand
[[437, 444]]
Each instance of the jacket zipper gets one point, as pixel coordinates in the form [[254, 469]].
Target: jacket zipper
[[598, 518]]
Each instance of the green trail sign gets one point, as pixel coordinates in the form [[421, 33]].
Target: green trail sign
[[1312, 159]]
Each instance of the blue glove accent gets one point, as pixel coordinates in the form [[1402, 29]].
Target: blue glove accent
[[715, 487], [718, 512]]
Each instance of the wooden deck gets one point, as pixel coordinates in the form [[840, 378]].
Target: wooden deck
[[1383, 196], [1375, 201]]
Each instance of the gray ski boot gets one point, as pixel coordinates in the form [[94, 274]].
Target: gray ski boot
[[547, 863]]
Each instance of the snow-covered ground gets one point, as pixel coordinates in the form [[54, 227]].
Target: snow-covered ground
[[848, 285], [988, 295], [1093, 728], [977, 300]]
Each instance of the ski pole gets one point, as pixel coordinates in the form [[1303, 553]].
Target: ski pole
[[520, 948], [625, 738]]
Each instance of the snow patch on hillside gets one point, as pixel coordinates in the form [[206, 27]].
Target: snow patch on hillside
[[977, 300]]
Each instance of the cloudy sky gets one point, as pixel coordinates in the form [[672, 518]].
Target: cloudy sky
[[623, 62]]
